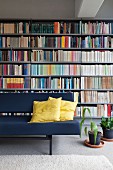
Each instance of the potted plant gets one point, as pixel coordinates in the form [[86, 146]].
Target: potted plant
[[94, 134], [107, 126]]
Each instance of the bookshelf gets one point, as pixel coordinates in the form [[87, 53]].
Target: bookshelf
[[59, 56]]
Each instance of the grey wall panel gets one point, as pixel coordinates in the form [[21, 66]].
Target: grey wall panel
[[39, 9], [106, 10], [77, 7], [45, 9]]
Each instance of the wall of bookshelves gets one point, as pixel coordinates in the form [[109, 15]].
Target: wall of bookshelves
[[59, 56]]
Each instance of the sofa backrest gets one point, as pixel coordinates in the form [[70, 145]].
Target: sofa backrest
[[23, 102]]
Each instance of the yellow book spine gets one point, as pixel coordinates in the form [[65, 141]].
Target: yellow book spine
[[63, 41]]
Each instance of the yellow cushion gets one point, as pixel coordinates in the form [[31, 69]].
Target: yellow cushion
[[67, 109], [46, 111]]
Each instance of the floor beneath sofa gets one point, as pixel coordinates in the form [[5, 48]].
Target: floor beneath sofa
[[62, 145]]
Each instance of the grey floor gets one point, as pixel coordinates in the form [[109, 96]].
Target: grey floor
[[62, 145]]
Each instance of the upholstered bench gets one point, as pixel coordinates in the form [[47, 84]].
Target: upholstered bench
[[18, 126]]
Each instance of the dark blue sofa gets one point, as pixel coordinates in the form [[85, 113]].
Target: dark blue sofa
[[11, 126]]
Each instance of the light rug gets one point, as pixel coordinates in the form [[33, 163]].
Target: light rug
[[54, 162]]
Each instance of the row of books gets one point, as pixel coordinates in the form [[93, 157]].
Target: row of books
[[97, 42], [38, 27], [59, 69], [11, 55], [90, 27], [42, 27], [56, 42], [97, 82], [97, 56], [96, 97], [15, 42], [14, 83], [94, 70], [56, 27], [98, 27], [105, 110], [18, 27], [55, 83], [60, 55], [11, 69], [67, 28], [39, 41]]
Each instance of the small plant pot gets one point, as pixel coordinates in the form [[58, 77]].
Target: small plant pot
[[108, 133], [91, 138]]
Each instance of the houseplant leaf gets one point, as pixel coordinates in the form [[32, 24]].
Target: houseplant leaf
[[84, 111], [85, 130], [94, 129], [81, 124]]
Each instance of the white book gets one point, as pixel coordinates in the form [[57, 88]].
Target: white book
[[96, 56], [105, 110], [20, 70], [82, 96], [111, 42], [82, 82], [92, 56], [78, 82], [78, 111]]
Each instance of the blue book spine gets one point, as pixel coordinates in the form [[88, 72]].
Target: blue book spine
[[83, 43], [10, 55], [70, 83], [45, 58], [25, 71], [0, 55], [0, 41], [25, 82], [41, 83], [51, 56], [112, 28]]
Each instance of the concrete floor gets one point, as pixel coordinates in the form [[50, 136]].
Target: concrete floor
[[62, 145]]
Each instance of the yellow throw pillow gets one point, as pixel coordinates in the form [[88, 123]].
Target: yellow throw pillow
[[46, 111], [67, 109]]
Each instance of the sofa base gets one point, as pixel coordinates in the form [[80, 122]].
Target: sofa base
[[47, 137]]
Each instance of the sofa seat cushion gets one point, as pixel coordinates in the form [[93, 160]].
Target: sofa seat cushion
[[18, 125]]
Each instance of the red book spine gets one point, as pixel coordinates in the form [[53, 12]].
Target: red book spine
[[56, 27], [5, 69], [59, 42], [109, 110], [12, 82], [66, 41], [19, 55]]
